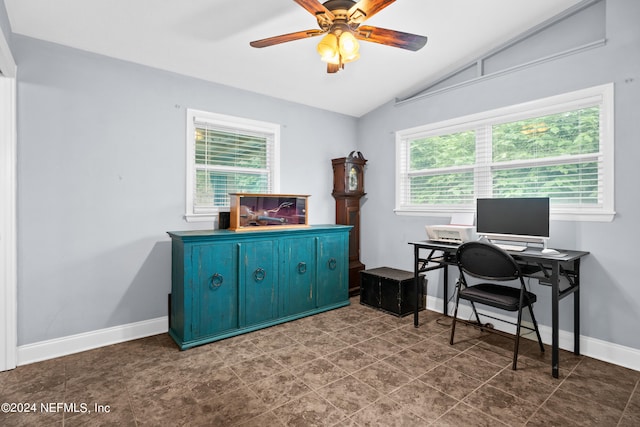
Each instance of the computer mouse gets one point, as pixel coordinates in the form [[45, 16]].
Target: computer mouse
[[550, 252]]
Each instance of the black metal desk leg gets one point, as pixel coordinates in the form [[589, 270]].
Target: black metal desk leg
[[555, 298], [576, 309], [416, 268], [445, 307]]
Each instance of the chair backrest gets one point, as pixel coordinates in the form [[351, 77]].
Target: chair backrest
[[486, 261]]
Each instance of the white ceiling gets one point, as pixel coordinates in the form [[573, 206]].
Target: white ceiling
[[209, 39]]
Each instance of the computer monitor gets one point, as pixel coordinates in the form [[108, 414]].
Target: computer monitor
[[522, 219]]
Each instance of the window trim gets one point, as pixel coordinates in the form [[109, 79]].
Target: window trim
[[240, 123], [603, 95]]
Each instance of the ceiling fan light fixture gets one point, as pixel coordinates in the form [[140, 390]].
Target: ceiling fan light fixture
[[335, 59], [350, 58], [340, 23], [348, 44], [339, 47], [328, 47]]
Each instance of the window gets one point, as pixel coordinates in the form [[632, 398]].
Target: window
[[559, 147], [228, 155]]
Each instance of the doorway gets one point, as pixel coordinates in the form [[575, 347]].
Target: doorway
[[8, 180]]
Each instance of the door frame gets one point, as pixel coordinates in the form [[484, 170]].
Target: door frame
[[8, 208]]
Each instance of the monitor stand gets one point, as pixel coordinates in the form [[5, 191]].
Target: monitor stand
[[546, 250]]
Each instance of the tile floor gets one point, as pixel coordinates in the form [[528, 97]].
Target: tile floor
[[354, 366]]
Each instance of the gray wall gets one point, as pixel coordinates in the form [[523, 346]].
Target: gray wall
[[101, 176], [4, 23], [610, 309]]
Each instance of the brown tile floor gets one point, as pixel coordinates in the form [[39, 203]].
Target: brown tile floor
[[349, 367]]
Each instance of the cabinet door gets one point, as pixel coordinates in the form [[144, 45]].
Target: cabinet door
[[260, 280], [215, 289], [298, 268], [332, 286]]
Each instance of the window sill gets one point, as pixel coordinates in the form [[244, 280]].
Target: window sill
[[201, 217], [431, 212]]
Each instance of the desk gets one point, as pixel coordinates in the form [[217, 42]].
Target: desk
[[548, 269]]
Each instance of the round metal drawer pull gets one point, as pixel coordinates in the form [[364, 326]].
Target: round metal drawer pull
[[259, 275], [216, 280], [302, 267]]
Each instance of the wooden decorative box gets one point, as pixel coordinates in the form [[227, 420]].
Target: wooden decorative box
[[267, 211]]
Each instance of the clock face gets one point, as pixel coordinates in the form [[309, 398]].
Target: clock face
[[354, 176]]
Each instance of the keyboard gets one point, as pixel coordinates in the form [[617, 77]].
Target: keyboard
[[512, 248]]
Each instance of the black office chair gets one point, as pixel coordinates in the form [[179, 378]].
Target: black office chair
[[486, 261]]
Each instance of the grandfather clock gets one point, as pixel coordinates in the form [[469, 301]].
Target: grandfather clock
[[348, 188]]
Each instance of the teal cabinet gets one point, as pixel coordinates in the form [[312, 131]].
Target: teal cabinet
[[259, 281], [298, 275], [333, 268], [226, 283], [215, 289]]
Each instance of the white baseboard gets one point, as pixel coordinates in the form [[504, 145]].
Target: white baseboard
[[592, 347], [611, 353], [30, 353], [64, 346]]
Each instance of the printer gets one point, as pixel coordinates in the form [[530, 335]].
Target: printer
[[459, 230], [451, 233]]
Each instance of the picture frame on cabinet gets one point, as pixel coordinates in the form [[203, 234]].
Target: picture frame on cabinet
[[268, 211]]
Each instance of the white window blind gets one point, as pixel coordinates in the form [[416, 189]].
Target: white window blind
[[555, 155], [560, 147], [228, 155]]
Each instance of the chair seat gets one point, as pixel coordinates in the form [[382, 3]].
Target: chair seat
[[504, 297]]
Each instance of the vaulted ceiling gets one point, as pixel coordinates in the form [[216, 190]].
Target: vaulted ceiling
[[209, 40]]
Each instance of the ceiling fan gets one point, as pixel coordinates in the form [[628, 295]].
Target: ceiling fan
[[339, 21]]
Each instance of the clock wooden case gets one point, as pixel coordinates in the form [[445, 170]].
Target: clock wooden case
[[348, 188]]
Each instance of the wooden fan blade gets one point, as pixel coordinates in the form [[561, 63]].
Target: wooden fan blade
[[315, 8], [391, 37], [286, 38], [365, 9]]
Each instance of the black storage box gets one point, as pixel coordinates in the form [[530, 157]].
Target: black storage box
[[390, 290]]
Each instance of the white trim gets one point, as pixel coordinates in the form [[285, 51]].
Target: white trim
[[50, 349], [591, 347], [604, 216], [478, 63], [549, 105], [7, 64], [602, 95], [202, 218], [483, 77], [64, 346], [231, 122], [8, 185], [609, 352]]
